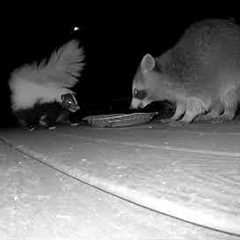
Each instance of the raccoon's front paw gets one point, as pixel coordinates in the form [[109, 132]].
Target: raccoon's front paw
[[173, 123], [220, 120], [214, 118], [178, 123], [165, 120]]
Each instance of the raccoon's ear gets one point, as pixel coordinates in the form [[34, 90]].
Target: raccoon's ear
[[148, 63]]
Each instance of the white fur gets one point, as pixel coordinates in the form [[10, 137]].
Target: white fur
[[137, 103], [47, 81]]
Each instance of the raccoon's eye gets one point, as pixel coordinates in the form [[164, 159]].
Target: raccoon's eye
[[140, 94]]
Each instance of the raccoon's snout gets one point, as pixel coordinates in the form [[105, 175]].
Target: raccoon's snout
[[139, 103], [136, 104]]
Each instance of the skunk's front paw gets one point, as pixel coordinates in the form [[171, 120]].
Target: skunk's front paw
[[51, 128]]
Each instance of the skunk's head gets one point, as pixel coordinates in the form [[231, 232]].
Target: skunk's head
[[69, 102]]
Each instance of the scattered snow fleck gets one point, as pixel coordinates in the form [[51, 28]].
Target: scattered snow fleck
[[121, 167], [42, 197], [176, 170], [65, 217], [83, 159], [16, 198]]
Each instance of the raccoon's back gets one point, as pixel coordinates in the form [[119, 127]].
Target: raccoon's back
[[207, 51]]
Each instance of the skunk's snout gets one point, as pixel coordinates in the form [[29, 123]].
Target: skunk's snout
[[74, 108]]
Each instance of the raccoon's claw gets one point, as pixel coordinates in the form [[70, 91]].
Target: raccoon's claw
[[220, 119], [177, 123], [165, 120], [173, 123], [215, 118]]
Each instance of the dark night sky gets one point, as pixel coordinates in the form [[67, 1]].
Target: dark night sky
[[113, 46]]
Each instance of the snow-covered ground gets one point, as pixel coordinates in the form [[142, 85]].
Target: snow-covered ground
[[145, 182]]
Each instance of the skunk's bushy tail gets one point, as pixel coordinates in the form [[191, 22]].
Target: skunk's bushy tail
[[62, 70]]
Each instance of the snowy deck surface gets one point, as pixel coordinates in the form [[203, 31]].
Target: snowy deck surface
[[189, 176]]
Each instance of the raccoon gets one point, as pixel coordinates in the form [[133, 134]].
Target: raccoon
[[200, 74]]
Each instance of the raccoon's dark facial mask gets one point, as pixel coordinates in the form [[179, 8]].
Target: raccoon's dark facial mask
[[139, 94], [140, 99], [69, 102]]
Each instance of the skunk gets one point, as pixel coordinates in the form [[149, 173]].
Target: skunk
[[41, 94]]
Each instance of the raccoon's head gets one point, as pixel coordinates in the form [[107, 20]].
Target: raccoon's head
[[142, 88], [69, 102]]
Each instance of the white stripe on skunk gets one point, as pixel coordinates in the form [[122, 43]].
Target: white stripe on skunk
[[45, 82]]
